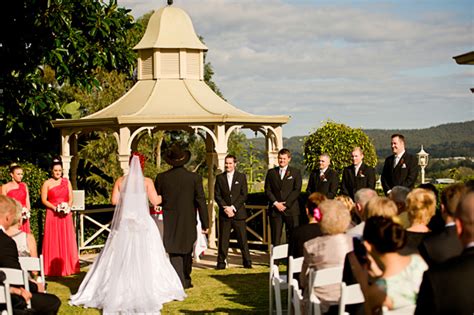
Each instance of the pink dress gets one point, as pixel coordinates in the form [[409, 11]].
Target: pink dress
[[59, 242], [20, 194]]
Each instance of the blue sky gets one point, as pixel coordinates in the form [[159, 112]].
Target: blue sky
[[369, 64]]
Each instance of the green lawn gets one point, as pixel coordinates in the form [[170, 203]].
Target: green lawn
[[230, 291]]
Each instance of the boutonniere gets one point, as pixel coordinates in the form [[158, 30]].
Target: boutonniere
[[323, 178], [402, 162], [287, 173]]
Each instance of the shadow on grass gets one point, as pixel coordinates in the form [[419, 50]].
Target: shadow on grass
[[72, 282], [249, 291]]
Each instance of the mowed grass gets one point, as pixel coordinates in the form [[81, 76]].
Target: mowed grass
[[229, 291]]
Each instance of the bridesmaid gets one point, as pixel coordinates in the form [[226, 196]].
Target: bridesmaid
[[59, 242], [18, 190]]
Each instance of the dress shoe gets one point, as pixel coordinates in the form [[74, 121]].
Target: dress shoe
[[220, 266], [248, 266]]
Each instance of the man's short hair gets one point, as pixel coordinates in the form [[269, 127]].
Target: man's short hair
[[230, 156], [399, 136], [285, 151], [363, 195], [451, 196], [325, 155], [7, 205], [399, 194], [465, 214], [358, 149]]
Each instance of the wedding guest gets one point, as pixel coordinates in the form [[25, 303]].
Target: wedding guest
[[401, 168], [25, 242], [350, 205], [282, 188], [399, 195], [361, 198], [59, 243], [42, 303], [439, 247], [358, 175], [401, 275], [421, 204], [447, 288], [327, 251], [324, 180], [18, 190], [436, 223]]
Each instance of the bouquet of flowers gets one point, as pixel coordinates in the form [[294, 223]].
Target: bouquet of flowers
[[63, 207], [25, 213]]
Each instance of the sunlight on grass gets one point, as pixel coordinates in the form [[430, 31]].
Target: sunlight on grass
[[230, 291]]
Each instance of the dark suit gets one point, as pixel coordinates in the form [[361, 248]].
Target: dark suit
[[448, 288], [236, 197], [438, 248], [326, 185], [41, 303], [182, 193], [404, 174], [351, 183], [286, 190]]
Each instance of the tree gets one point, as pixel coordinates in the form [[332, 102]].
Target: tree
[[337, 140], [49, 44]]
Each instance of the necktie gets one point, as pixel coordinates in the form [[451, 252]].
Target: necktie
[[395, 161], [229, 180], [282, 173]]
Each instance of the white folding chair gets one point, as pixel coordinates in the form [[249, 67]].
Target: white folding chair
[[17, 277], [276, 253], [277, 285], [33, 264], [320, 278], [409, 309], [296, 297], [294, 266], [351, 294], [5, 298]]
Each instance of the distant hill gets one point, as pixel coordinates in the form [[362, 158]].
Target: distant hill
[[447, 140]]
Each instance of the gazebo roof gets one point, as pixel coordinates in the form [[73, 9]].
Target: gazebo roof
[[170, 88]]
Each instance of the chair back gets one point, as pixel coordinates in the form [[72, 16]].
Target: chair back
[[33, 264], [351, 294], [17, 277], [294, 266], [319, 278], [276, 253], [277, 286], [5, 298]]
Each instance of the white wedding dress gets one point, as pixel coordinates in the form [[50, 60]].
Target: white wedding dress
[[132, 274]]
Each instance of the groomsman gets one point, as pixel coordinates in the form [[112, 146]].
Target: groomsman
[[283, 187], [325, 180], [401, 168], [230, 194], [358, 175], [182, 193]]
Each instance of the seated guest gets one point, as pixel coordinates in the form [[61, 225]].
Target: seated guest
[[361, 198], [447, 288], [42, 303], [350, 205], [305, 232], [327, 251], [439, 247], [421, 204], [399, 195], [25, 242], [401, 275], [436, 223]]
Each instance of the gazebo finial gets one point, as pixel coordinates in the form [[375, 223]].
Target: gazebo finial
[[170, 2]]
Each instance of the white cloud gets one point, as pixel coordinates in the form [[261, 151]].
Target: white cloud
[[369, 66]]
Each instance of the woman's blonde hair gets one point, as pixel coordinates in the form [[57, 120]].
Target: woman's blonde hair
[[347, 201], [421, 206], [382, 207], [335, 217]]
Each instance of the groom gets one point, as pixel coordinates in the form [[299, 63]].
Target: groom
[[182, 193]]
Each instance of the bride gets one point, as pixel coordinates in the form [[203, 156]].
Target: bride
[[132, 274]]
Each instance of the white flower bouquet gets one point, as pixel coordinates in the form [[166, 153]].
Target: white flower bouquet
[[63, 207], [25, 213]]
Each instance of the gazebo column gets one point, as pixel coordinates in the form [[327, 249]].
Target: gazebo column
[[65, 151], [74, 160], [123, 141], [273, 144]]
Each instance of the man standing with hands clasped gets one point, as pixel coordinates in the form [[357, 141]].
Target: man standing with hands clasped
[[401, 168], [230, 194], [283, 187], [358, 175]]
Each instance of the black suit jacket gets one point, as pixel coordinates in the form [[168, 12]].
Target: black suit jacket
[[182, 194], [236, 196], [404, 174], [351, 183], [448, 287], [327, 185], [287, 190], [438, 248]]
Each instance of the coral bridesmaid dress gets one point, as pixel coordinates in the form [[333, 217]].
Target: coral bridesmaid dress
[[19, 194], [59, 243]]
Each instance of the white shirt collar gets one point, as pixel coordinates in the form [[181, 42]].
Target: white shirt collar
[[399, 155], [3, 229], [450, 224], [230, 174], [322, 171]]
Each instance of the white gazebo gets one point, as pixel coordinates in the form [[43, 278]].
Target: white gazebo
[[170, 95]]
